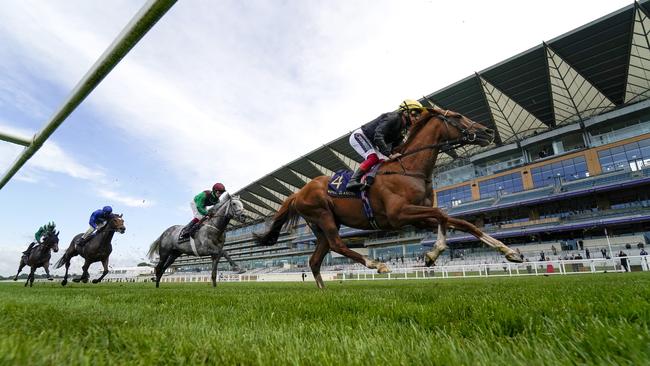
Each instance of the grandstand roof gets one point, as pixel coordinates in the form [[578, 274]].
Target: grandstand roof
[[598, 67]]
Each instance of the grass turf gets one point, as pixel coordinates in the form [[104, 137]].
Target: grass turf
[[581, 319]]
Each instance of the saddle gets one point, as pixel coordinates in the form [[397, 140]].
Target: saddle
[[81, 242], [29, 251], [187, 232]]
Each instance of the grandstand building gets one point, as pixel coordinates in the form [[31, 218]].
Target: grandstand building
[[569, 170]]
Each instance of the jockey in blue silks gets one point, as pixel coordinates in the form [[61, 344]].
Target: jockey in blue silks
[[98, 219]]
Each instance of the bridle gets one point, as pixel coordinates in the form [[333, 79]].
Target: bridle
[[224, 214], [50, 240], [466, 137]]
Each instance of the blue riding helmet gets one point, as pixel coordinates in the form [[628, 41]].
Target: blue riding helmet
[[107, 209]]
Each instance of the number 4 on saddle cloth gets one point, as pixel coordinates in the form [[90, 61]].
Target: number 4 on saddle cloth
[[337, 187]]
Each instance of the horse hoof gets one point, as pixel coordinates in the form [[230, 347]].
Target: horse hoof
[[76, 280], [64, 282], [85, 280], [50, 278], [383, 268], [95, 281], [15, 278], [514, 257]]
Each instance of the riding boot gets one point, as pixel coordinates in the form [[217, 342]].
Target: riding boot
[[194, 228], [82, 241], [355, 183], [185, 232], [27, 252]]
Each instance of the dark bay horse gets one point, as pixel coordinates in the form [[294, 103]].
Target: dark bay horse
[[401, 195], [96, 249], [208, 240], [40, 257]]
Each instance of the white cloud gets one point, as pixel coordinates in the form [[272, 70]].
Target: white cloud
[[49, 158], [125, 200]]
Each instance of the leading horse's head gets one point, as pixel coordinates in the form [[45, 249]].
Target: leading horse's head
[[460, 129], [237, 208], [116, 223], [51, 240], [230, 207]]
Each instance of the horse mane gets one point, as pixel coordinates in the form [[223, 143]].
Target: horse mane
[[415, 130], [216, 209]]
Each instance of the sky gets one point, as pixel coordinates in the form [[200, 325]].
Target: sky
[[222, 91]]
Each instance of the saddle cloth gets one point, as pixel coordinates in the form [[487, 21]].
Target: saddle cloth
[[337, 187], [338, 183]]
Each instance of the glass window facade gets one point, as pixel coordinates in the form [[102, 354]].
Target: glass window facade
[[567, 170], [633, 156], [510, 183], [454, 196]]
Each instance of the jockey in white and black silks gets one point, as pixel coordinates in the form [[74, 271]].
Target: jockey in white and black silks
[[199, 207], [375, 140]]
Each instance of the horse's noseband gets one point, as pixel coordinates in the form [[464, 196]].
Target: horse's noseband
[[469, 137], [466, 135]]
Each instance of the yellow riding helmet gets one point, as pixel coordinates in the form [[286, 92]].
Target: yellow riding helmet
[[409, 104]]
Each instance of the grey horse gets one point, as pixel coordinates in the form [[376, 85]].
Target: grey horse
[[96, 249], [40, 257], [208, 240]]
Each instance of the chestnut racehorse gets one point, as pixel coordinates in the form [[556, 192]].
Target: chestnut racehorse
[[401, 195]]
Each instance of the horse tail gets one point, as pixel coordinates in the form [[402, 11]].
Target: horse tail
[[62, 260], [154, 248], [287, 217]]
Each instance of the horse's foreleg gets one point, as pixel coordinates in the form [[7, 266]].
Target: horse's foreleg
[[20, 268], [317, 257], [46, 267], [423, 216], [105, 264], [438, 248], [467, 227]]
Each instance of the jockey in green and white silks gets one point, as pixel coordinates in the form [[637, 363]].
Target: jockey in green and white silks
[[39, 235], [199, 208]]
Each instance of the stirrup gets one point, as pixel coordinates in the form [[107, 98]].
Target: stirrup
[[357, 186]]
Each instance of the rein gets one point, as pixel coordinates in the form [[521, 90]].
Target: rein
[[448, 145], [445, 146], [218, 215]]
